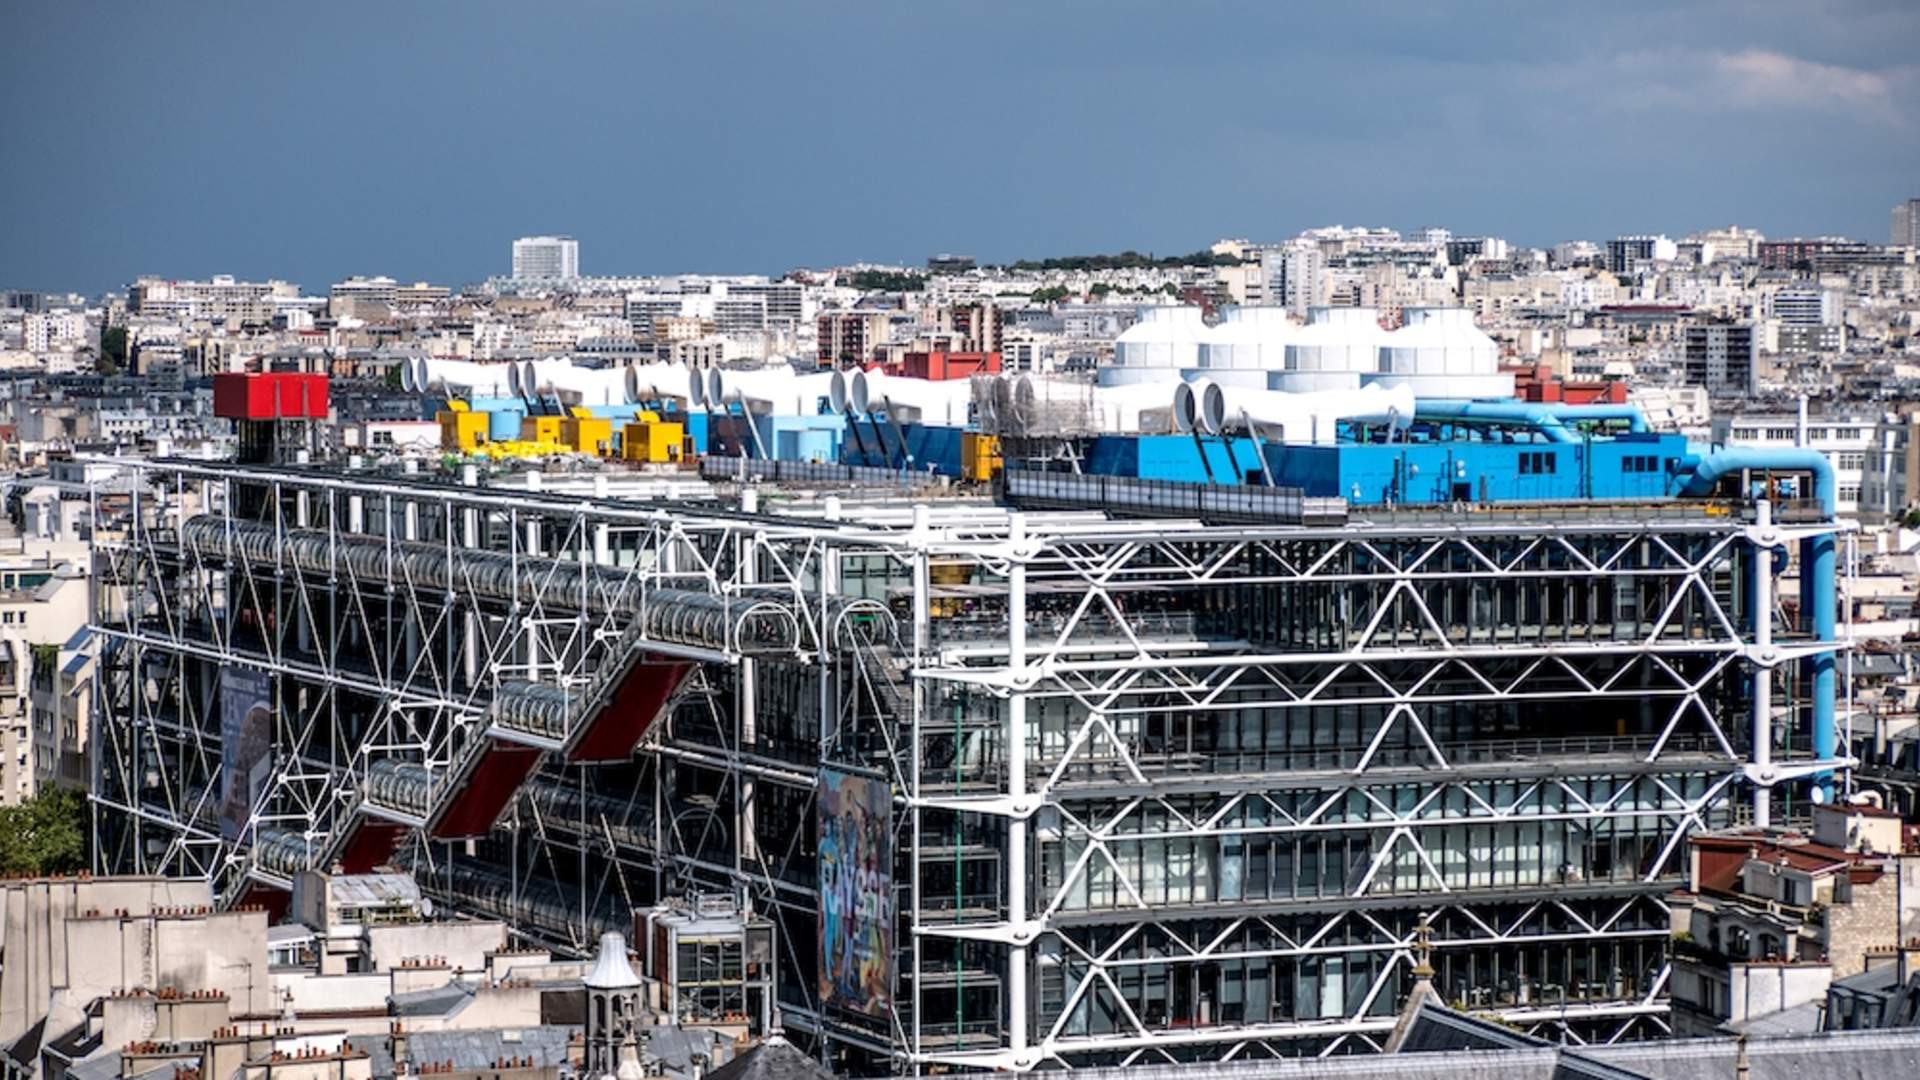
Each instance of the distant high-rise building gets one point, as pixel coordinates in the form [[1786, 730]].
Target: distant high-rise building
[[1295, 276], [1805, 305], [944, 263], [1626, 253], [1906, 224], [1809, 319], [1462, 250], [546, 258], [219, 299], [1803, 253], [1719, 356], [1574, 253], [1732, 242], [376, 296], [851, 336]]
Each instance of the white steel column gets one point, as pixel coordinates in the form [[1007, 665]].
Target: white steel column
[[1016, 752], [1763, 671], [530, 625], [922, 632], [747, 849], [470, 618]]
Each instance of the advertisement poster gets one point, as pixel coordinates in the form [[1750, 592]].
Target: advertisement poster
[[856, 893], [246, 742]]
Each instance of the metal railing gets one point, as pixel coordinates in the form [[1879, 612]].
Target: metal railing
[[1038, 489], [772, 470], [1089, 765]]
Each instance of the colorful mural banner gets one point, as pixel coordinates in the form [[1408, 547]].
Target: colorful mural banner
[[246, 743], [856, 893]]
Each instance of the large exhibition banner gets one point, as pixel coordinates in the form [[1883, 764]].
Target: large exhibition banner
[[856, 893], [246, 743]]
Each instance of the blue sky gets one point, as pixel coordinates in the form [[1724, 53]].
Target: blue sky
[[416, 139]]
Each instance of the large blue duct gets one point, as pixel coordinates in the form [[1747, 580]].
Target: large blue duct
[[1549, 420], [1707, 470], [1819, 590], [1636, 420]]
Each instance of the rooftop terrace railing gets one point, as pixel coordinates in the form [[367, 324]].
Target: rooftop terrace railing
[[1032, 489], [973, 764]]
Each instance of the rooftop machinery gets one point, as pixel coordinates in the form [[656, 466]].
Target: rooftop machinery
[[1016, 787]]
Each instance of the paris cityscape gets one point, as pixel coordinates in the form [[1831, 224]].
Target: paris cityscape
[[793, 542]]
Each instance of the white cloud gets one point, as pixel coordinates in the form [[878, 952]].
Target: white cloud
[[1717, 81], [1760, 77]]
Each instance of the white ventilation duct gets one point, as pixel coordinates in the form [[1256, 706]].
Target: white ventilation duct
[[697, 387], [988, 402], [1439, 341], [1042, 402], [1337, 349], [944, 402], [1249, 339], [1193, 402], [1164, 338], [574, 385], [530, 376], [779, 390], [1135, 408], [1309, 418], [1027, 391], [1439, 352], [650, 382], [840, 392], [423, 375]]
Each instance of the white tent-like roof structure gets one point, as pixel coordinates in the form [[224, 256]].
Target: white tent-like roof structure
[[610, 968]]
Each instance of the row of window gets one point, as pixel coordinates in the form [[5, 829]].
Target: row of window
[[1640, 463], [1265, 867], [1815, 434], [1538, 462]]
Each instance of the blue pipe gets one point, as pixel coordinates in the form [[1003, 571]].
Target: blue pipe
[[1819, 591], [616, 412], [1549, 420], [1819, 597], [503, 425], [1518, 413], [1707, 470], [1636, 420]]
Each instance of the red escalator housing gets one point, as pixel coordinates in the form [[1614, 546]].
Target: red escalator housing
[[486, 790], [371, 844], [613, 732], [274, 900]]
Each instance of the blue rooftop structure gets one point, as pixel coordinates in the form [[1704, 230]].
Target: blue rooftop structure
[[1638, 467], [786, 438], [872, 442], [1519, 452]]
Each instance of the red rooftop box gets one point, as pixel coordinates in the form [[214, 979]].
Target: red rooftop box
[[270, 396], [941, 365]]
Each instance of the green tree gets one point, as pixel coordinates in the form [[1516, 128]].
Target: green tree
[[888, 281], [1126, 260], [47, 834], [113, 350]]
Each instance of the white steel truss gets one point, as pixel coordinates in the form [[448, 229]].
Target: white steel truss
[[1164, 790]]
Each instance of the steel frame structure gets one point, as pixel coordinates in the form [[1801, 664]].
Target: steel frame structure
[[1163, 790]]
